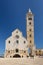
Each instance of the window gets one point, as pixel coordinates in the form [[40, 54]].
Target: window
[[22, 56], [27, 56], [30, 41], [17, 36], [8, 51], [10, 56], [29, 29], [9, 41], [16, 31], [30, 35], [24, 51], [39, 50], [17, 41], [29, 23], [36, 51], [17, 50], [29, 18], [24, 42]]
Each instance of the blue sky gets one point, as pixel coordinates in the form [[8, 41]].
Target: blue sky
[[13, 15]]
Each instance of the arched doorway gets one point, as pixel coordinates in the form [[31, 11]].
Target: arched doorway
[[16, 56]]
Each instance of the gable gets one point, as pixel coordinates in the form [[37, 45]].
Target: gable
[[16, 32]]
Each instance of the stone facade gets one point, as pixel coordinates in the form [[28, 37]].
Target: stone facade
[[18, 46]]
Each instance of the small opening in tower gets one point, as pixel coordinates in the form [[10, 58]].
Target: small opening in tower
[[29, 29], [29, 23], [30, 35], [30, 41], [29, 18]]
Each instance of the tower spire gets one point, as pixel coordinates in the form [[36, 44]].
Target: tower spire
[[30, 11]]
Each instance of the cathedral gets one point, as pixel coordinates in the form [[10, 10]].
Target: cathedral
[[17, 46]]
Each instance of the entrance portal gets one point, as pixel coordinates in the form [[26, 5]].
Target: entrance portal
[[16, 56]]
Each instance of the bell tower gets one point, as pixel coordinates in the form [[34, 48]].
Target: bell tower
[[30, 29]]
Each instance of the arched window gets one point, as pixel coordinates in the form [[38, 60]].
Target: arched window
[[17, 36], [17, 41], [24, 42], [9, 41], [29, 18], [30, 41], [30, 35], [30, 29], [24, 51], [17, 50]]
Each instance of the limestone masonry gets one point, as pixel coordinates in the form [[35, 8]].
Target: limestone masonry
[[18, 46]]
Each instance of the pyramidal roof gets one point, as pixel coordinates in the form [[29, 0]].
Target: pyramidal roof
[[30, 11]]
